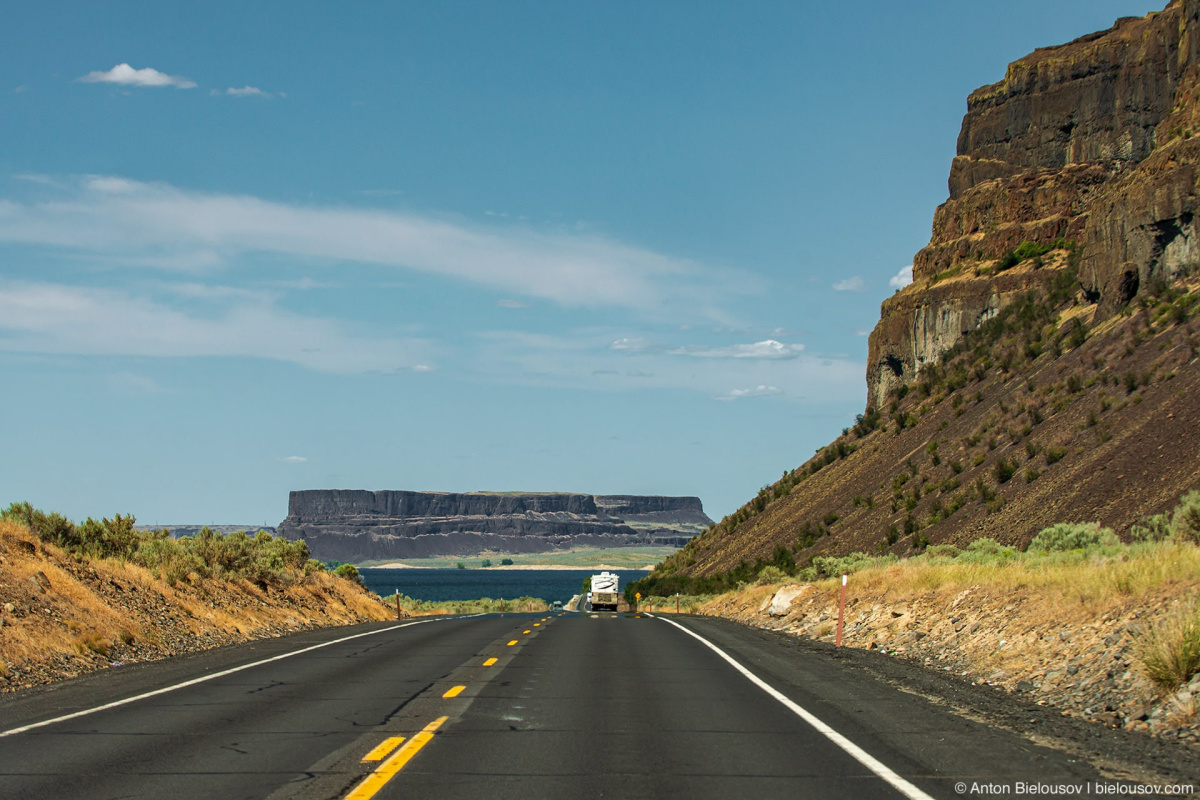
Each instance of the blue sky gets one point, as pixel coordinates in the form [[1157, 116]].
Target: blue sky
[[610, 247]]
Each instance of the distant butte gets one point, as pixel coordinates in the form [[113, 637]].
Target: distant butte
[[356, 525]]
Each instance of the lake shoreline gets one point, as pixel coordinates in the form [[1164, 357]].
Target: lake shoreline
[[499, 567]]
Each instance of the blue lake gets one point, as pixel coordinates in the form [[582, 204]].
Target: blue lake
[[472, 584]]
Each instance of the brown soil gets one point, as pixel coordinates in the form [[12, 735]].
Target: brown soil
[[61, 616]]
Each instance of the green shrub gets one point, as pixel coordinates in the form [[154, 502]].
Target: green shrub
[[989, 550], [771, 574], [260, 558], [349, 572], [1066, 536], [834, 566], [943, 551], [1152, 529], [506, 562], [1004, 469], [1185, 522]]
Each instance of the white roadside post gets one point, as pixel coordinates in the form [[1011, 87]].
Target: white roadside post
[[841, 612]]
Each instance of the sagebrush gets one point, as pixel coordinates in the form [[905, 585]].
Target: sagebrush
[[261, 558]]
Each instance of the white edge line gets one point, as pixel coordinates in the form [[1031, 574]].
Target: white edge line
[[862, 756], [195, 681]]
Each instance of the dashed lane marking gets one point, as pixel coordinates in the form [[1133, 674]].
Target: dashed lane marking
[[514, 641], [454, 692], [490, 661], [382, 749], [525, 631], [388, 769]]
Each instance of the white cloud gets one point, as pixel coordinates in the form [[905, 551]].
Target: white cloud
[[126, 75], [293, 459], [768, 349], [902, 278], [51, 318], [586, 361], [511, 304], [422, 368], [115, 218], [302, 284], [203, 291], [247, 91], [758, 391], [110, 185], [22, 88], [629, 345], [853, 284]]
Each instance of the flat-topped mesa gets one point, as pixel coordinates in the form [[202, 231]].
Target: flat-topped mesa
[[316, 504], [356, 525], [1088, 146]]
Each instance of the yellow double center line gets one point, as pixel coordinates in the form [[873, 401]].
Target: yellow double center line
[[388, 769]]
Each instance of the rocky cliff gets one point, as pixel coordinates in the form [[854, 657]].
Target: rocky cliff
[[1082, 158], [1043, 366], [355, 526]]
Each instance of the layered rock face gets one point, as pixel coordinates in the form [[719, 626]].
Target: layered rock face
[[352, 525], [1090, 143]]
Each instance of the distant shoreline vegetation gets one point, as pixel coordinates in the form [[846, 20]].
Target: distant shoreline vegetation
[[622, 558]]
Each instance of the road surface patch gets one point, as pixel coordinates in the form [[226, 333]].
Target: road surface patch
[[194, 681], [382, 749], [861, 756], [388, 769]]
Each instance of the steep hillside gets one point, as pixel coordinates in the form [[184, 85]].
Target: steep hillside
[[1042, 366]]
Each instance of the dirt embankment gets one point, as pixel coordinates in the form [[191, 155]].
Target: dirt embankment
[[61, 616], [1074, 649]]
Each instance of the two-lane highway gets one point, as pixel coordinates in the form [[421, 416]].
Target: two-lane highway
[[503, 706]]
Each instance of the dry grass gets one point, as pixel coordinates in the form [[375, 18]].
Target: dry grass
[[1092, 580], [1169, 652], [1068, 624], [688, 604], [94, 608]]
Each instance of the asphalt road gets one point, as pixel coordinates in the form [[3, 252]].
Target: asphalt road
[[521, 706]]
